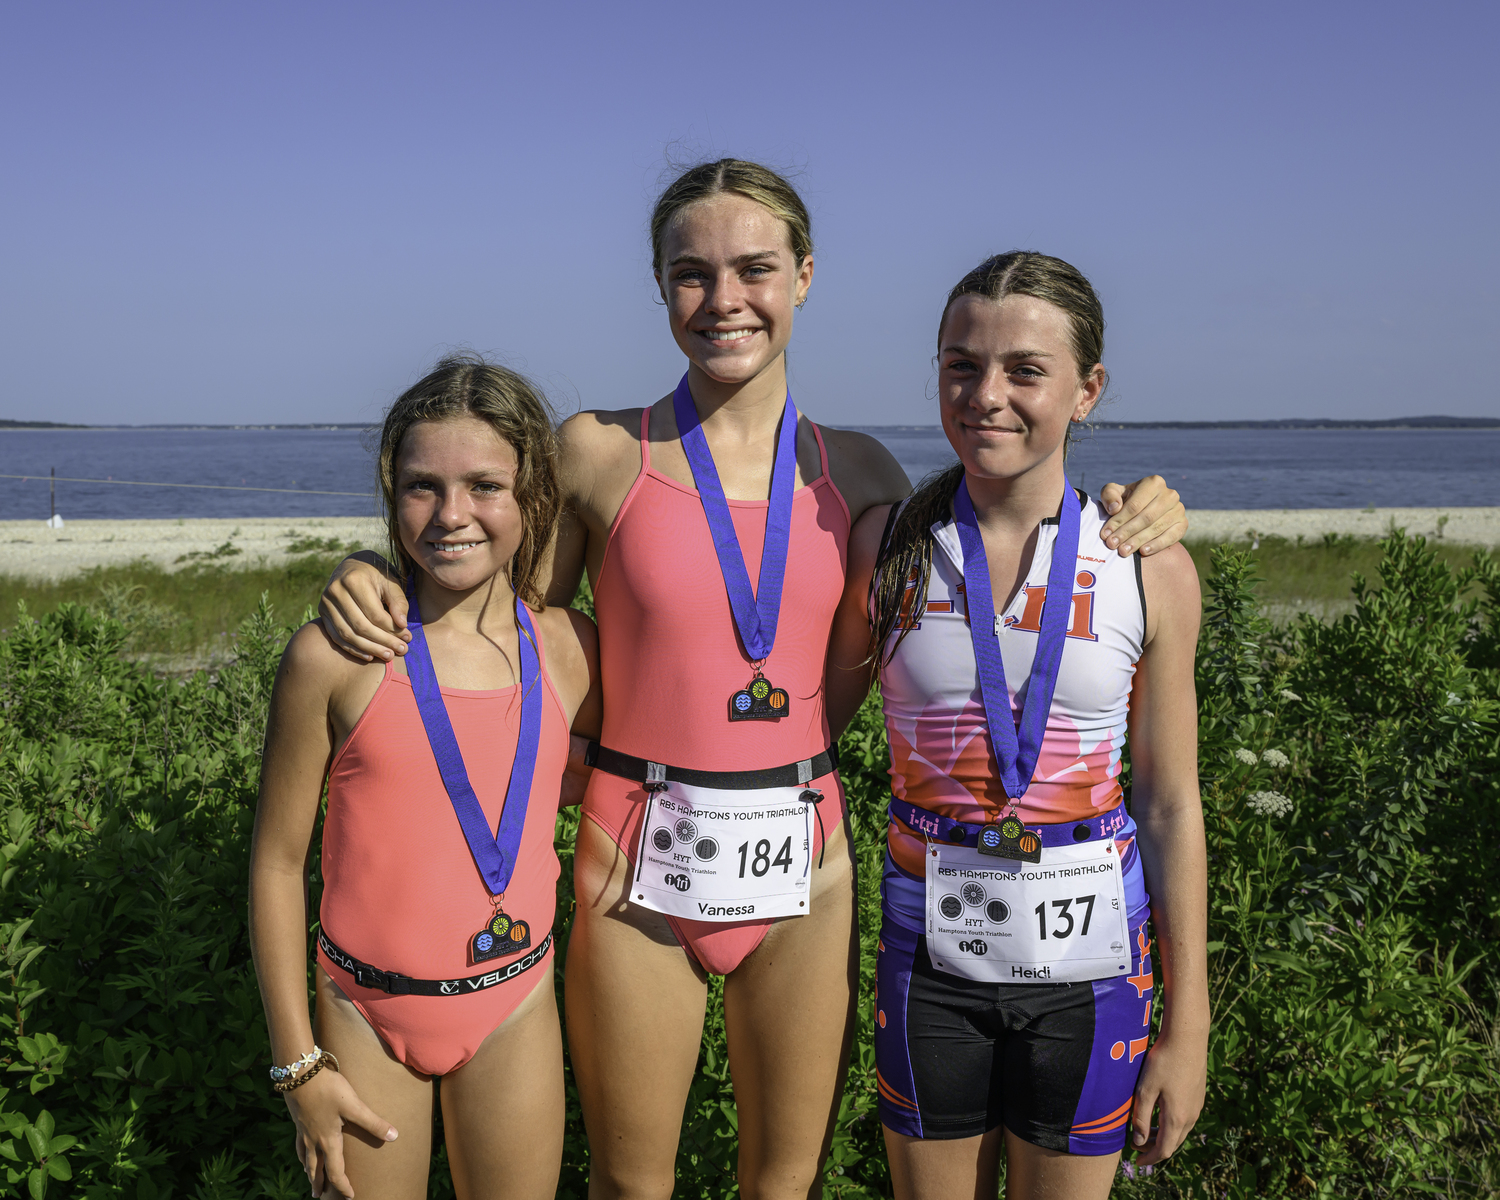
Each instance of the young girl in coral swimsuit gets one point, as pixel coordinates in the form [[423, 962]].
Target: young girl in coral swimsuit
[[444, 772], [713, 526]]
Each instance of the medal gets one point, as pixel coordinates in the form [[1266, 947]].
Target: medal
[[755, 612], [1016, 742], [494, 854], [1010, 839], [758, 702], [499, 937]]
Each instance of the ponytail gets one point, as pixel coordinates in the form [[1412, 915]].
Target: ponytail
[[903, 567]]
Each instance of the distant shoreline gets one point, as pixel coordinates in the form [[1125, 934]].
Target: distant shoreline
[[1294, 423], [30, 549]]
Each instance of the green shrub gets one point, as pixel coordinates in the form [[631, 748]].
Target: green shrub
[[1349, 780]]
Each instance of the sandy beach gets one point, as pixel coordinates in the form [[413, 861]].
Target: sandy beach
[[30, 549]]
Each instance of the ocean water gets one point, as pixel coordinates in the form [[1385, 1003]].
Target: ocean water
[[1212, 468]]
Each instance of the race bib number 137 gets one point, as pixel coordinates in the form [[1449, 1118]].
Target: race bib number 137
[[1062, 920]]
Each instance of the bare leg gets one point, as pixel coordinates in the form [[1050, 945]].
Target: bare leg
[[377, 1170], [789, 1014], [1032, 1173], [936, 1170], [929, 1169], [503, 1109], [635, 1003]]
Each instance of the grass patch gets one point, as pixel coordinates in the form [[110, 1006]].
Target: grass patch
[[1317, 576], [183, 618]]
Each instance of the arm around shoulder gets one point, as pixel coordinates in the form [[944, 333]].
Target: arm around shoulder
[[864, 471], [572, 646], [850, 667]]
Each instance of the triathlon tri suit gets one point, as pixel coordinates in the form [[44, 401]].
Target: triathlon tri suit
[[670, 657], [1056, 1063], [400, 888]]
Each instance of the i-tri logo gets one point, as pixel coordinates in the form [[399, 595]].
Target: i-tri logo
[[680, 882], [977, 946]]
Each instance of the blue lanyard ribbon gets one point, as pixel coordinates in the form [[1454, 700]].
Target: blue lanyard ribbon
[[1017, 744], [755, 613], [495, 855]]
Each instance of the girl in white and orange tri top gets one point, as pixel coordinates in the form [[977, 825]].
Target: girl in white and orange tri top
[[1015, 977]]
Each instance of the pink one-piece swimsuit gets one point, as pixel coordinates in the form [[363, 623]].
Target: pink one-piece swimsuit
[[670, 657], [401, 891]]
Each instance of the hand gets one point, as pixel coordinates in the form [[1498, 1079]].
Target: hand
[[1173, 1080], [1147, 515], [364, 612], [321, 1108], [576, 775]]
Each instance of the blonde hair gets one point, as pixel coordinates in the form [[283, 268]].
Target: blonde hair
[[465, 385], [747, 179]]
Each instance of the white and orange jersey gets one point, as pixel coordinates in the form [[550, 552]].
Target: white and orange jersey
[[934, 712]]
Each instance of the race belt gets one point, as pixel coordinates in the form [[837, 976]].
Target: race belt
[[643, 770], [939, 828], [397, 984]]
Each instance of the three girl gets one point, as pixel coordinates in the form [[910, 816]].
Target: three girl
[[714, 527], [443, 773]]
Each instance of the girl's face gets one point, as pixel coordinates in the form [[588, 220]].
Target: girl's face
[[455, 507], [731, 283], [1008, 384]]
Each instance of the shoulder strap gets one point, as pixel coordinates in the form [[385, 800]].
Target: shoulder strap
[[646, 438], [822, 451]]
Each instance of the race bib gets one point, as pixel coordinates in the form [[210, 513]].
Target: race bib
[[714, 855], [1061, 920]]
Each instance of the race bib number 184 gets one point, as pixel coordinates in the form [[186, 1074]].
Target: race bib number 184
[[1061, 920], [716, 855]]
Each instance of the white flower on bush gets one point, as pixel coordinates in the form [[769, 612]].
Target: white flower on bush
[[1275, 759], [1455, 698], [1269, 804], [1248, 757], [1287, 694]]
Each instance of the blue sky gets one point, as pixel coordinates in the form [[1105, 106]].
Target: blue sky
[[285, 212]]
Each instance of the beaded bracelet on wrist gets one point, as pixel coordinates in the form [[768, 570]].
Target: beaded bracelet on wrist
[[279, 1074], [324, 1059]]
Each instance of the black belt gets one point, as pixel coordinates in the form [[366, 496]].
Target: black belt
[[404, 985], [642, 770]]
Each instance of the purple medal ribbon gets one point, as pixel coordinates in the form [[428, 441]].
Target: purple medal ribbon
[[755, 613], [496, 855], [1016, 744]]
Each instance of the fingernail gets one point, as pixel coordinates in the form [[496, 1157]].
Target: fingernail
[[1114, 506], [1145, 549], [1125, 549], [1113, 542], [390, 1135]]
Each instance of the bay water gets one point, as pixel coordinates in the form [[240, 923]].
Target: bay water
[[1212, 468]]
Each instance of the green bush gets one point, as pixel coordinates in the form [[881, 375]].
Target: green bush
[[1350, 788]]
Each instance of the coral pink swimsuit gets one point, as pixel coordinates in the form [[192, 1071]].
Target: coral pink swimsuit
[[670, 656], [401, 891]]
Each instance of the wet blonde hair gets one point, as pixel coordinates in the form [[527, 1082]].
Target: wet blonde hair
[[747, 179], [465, 385]]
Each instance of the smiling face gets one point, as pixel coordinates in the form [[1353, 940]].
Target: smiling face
[[455, 507], [731, 283], [1008, 384]]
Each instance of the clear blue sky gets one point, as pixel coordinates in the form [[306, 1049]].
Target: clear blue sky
[[285, 212]]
